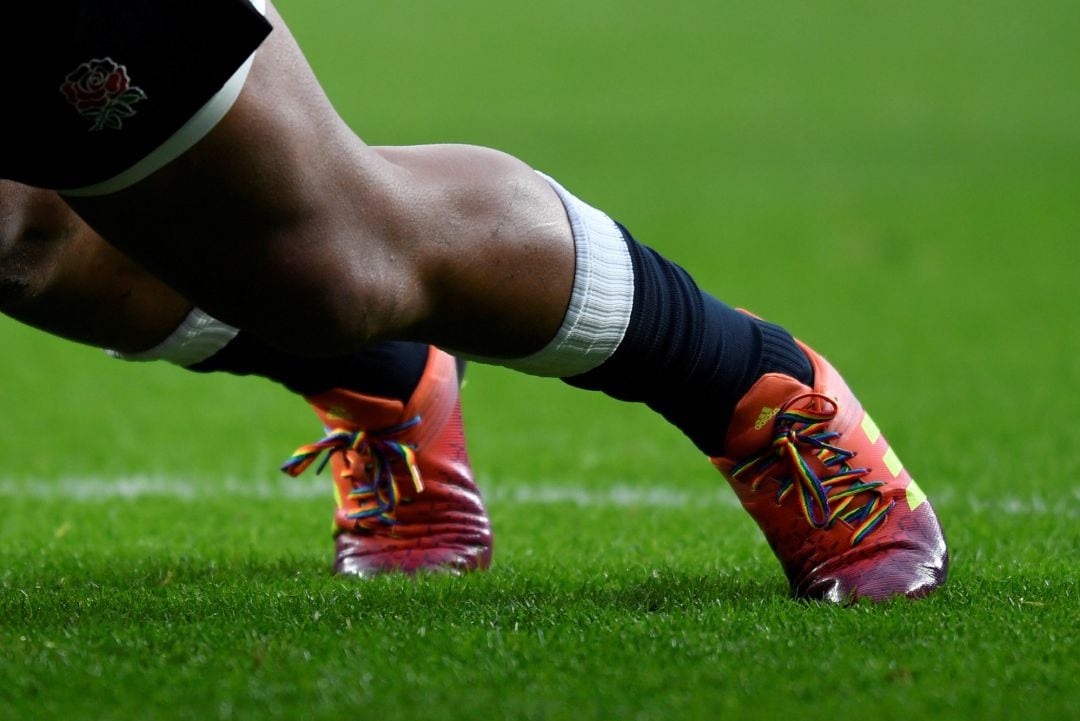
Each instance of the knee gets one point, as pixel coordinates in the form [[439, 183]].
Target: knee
[[465, 188], [459, 203]]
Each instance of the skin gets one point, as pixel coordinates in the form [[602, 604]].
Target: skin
[[283, 222], [58, 275]]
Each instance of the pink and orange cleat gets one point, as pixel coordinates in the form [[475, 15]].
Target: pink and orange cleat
[[406, 500], [834, 501]]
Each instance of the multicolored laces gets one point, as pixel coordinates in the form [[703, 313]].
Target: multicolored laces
[[825, 499], [377, 495]]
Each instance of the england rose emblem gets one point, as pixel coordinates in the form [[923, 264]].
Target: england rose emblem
[[101, 91]]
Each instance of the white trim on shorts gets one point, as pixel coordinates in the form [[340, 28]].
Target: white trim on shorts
[[191, 132]]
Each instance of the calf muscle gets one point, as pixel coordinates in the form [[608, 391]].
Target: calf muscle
[[57, 275]]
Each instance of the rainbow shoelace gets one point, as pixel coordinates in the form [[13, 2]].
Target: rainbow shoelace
[[377, 495], [824, 499]]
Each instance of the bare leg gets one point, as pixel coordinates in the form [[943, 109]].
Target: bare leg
[[283, 222], [58, 275]]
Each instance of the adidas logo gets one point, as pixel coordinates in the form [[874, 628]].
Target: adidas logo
[[337, 413], [767, 414]]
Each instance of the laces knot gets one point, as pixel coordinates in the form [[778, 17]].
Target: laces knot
[[836, 491], [375, 489]]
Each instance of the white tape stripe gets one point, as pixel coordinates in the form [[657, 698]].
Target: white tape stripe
[[507, 493], [198, 337]]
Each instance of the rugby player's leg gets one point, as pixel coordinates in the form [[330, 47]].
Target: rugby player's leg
[[283, 221], [59, 276], [843, 515]]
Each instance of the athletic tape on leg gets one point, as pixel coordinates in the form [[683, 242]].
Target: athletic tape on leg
[[197, 338]]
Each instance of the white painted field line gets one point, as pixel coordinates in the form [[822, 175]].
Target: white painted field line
[[1065, 503], [134, 487]]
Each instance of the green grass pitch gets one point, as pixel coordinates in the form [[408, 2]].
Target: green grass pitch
[[896, 182]]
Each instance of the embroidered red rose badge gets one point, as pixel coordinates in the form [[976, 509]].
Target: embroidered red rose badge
[[101, 91]]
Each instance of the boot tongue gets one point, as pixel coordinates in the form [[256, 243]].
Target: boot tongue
[[345, 409], [751, 427]]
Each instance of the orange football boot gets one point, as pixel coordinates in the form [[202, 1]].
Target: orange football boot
[[834, 501], [406, 500]]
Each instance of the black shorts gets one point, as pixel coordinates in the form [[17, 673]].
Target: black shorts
[[95, 87]]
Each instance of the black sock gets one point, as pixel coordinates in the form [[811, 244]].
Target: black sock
[[688, 356], [387, 370]]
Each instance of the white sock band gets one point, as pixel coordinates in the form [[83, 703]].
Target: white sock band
[[197, 338], [600, 303]]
